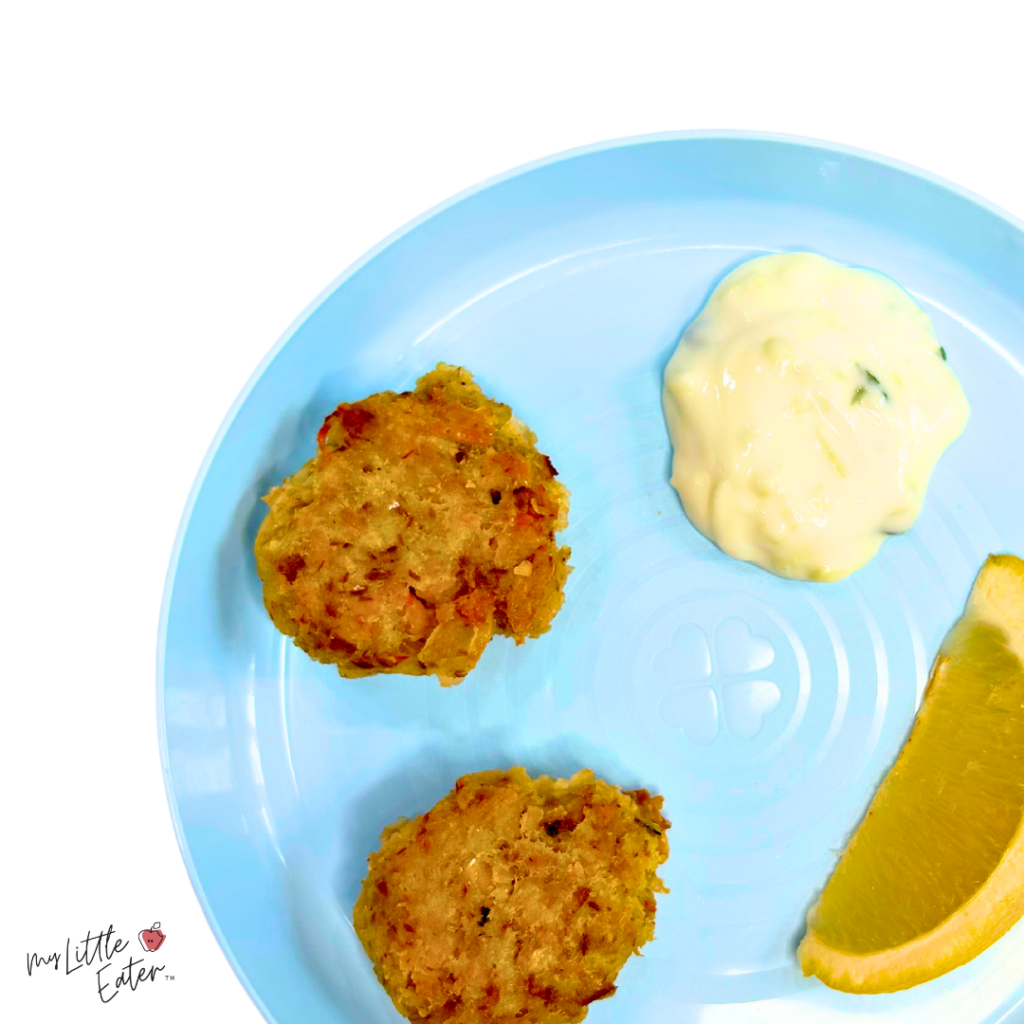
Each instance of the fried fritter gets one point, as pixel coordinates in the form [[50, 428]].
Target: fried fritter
[[513, 900], [424, 525]]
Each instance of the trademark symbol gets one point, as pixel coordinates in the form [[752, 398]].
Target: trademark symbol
[[168, 977]]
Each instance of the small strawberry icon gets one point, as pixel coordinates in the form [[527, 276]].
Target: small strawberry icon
[[152, 938]]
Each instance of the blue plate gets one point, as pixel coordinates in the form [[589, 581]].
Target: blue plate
[[766, 711]]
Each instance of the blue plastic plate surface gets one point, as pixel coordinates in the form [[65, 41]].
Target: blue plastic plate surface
[[766, 711]]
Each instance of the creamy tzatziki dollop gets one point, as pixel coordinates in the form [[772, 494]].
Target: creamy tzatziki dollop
[[808, 404]]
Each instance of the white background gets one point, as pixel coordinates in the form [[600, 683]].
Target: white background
[[177, 181]]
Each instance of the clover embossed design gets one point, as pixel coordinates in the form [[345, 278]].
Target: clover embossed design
[[716, 681]]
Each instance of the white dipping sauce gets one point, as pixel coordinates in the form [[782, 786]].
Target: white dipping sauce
[[808, 403]]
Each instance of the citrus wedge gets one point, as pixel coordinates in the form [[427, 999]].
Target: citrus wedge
[[934, 873]]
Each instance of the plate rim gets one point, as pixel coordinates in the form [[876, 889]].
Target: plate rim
[[774, 138]]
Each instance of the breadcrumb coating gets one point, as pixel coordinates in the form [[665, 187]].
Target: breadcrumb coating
[[513, 899], [424, 525]]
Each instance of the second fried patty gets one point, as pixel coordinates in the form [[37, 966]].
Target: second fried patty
[[424, 525], [513, 899]]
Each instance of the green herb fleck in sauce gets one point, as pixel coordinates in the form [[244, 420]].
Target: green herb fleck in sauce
[[872, 379]]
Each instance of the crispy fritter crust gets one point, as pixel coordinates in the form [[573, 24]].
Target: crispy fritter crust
[[424, 525], [513, 900]]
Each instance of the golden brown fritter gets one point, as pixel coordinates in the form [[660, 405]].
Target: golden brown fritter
[[424, 525], [513, 900]]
